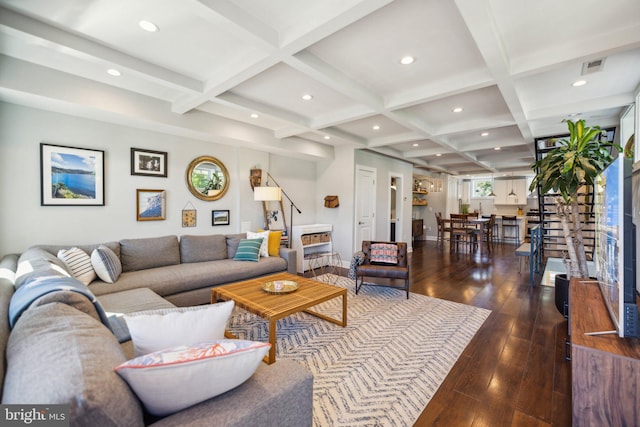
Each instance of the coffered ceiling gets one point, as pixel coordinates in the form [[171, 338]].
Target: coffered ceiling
[[235, 72]]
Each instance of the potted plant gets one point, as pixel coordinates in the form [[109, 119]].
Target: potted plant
[[573, 164]]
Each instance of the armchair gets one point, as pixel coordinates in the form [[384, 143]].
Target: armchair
[[387, 260]]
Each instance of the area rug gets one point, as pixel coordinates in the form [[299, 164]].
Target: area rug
[[384, 367]]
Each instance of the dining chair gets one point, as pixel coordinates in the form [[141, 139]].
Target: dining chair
[[459, 231], [443, 227], [489, 229], [510, 229]]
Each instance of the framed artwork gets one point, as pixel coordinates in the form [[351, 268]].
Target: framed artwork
[[150, 205], [220, 217], [71, 176], [148, 162], [189, 218]]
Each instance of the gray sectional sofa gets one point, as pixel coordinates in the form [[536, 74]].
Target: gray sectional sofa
[[61, 351]]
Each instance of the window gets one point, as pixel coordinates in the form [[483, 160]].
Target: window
[[481, 187]]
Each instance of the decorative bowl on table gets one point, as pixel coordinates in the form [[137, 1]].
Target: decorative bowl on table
[[280, 286]]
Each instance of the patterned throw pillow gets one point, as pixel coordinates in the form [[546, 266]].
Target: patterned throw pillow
[[384, 253], [264, 247], [154, 330], [248, 250], [78, 263], [106, 264], [187, 375]]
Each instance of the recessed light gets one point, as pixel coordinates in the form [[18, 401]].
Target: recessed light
[[416, 145], [438, 155], [327, 137], [148, 26], [496, 148], [457, 110], [307, 97], [113, 72], [579, 83], [484, 134], [254, 116], [407, 60], [376, 127]]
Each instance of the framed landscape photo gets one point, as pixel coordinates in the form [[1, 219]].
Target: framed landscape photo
[[148, 162], [150, 205], [71, 176], [220, 217]]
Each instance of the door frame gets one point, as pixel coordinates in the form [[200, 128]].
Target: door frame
[[399, 205]]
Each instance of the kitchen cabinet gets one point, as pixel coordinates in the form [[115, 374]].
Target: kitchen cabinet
[[503, 187]]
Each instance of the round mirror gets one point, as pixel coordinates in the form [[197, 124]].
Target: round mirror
[[207, 178]]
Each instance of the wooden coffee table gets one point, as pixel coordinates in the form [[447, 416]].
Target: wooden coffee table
[[249, 296]]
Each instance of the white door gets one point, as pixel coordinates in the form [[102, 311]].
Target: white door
[[365, 204]]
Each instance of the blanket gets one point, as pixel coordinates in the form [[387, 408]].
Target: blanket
[[358, 259], [26, 294]]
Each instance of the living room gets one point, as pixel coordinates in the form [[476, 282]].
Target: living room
[[176, 97]]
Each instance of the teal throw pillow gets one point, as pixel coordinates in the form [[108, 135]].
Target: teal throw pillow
[[248, 250]]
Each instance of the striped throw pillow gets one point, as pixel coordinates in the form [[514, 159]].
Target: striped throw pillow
[[78, 263], [384, 253], [248, 250], [106, 264]]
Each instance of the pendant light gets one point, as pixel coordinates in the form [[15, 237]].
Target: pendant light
[[512, 193], [492, 194]]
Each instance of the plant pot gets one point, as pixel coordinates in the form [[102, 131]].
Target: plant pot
[[562, 294]]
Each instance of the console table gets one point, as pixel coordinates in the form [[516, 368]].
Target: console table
[[605, 368]]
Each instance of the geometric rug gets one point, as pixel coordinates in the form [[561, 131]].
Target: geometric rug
[[385, 365]]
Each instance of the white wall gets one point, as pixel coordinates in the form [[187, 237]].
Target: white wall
[[23, 222]]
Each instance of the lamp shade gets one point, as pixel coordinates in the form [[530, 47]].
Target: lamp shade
[[266, 194]]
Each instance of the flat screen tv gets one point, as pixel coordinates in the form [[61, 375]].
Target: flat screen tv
[[616, 247]]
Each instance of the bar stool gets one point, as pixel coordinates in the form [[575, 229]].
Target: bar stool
[[510, 223]]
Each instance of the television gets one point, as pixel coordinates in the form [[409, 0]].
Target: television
[[615, 252]]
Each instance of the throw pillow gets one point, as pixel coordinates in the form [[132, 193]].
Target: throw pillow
[[155, 330], [78, 263], [248, 250], [176, 378], [384, 253], [106, 264], [275, 238], [264, 247]]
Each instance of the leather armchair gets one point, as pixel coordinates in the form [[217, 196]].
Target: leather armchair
[[390, 272]]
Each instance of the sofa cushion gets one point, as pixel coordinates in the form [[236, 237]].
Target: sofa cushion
[[274, 243], [191, 374], [78, 264], [155, 330], [141, 254], [264, 247], [106, 264], [58, 355], [249, 250], [233, 240], [203, 248]]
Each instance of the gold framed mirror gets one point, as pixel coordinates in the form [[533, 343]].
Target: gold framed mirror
[[207, 178]]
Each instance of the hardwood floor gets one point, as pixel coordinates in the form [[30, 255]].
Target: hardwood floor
[[513, 372]]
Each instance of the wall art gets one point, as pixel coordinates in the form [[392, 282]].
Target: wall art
[[150, 205], [148, 162]]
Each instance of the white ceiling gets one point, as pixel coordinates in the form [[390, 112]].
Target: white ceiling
[[508, 63]]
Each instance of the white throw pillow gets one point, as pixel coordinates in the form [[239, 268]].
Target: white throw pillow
[[264, 247], [78, 263], [159, 329], [106, 264], [173, 379]]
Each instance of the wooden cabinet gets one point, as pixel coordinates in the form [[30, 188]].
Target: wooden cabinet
[[605, 369], [313, 244], [417, 228]]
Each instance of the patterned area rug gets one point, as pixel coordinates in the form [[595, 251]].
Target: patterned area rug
[[384, 367]]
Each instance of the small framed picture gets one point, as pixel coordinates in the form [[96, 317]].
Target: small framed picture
[[148, 162], [220, 217], [150, 205]]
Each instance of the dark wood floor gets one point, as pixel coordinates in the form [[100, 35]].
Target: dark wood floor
[[513, 371]]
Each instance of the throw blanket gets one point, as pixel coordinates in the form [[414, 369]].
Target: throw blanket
[[34, 289], [358, 259]]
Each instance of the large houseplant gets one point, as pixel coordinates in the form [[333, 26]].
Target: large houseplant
[[572, 164]]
